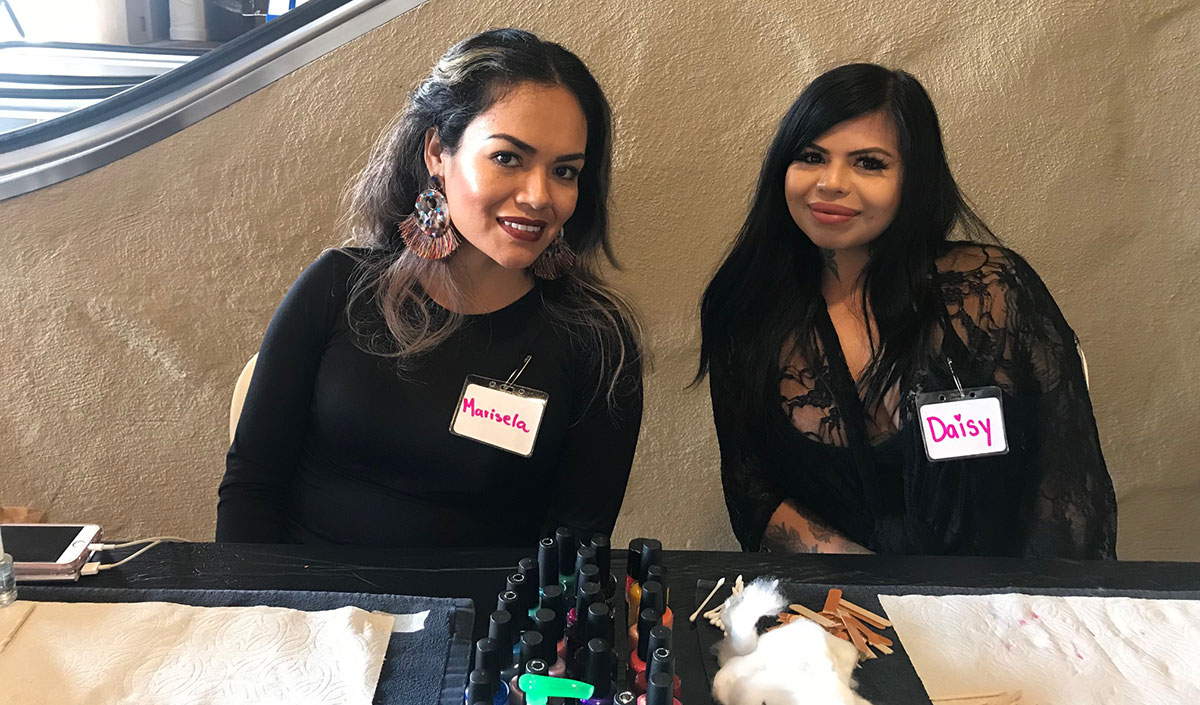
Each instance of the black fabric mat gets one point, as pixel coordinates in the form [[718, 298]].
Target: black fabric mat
[[426, 666], [887, 680]]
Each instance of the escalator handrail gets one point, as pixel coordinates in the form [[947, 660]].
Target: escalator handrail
[[108, 48]]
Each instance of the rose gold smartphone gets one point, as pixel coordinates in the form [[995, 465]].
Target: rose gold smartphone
[[48, 551]]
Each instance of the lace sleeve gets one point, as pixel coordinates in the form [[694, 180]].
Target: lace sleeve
[[749, 495], [1017, 335], [1073, 511]]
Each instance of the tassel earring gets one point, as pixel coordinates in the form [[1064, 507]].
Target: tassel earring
[[427, 231], [555, 260]]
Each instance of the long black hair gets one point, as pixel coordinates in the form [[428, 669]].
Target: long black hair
[[766, 293]]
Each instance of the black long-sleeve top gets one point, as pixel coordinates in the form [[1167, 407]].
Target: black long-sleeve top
[[336, 445], [1050, 496]]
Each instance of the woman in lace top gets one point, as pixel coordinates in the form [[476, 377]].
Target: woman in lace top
[[843, 298]]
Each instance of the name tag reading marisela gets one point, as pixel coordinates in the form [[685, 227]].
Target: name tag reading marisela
[[499, 414], [964, 424]]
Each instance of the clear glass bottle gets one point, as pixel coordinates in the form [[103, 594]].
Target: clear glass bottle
[[8, 584]]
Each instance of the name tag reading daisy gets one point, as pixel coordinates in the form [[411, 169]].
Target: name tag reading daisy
[[965, 423], [500, 413]]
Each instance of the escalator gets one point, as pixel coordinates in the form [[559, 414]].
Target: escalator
[[40, 82], [68, 109]]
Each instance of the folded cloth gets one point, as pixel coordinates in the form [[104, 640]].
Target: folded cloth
[[428, 665], [155, 653]]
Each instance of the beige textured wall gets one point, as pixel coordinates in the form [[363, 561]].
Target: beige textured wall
[[132, 295]]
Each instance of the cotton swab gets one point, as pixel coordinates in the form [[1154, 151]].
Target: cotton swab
[[716, 587]]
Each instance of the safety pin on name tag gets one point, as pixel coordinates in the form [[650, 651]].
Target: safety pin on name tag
[[962, 423], [500, 414]]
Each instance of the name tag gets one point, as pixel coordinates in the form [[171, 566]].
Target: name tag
[[502, 415], [966, 424]]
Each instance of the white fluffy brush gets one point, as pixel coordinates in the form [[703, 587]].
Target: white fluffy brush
[[797, 664]]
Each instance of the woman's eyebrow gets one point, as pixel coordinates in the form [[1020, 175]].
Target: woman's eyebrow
[[855, 153], [531, 150]]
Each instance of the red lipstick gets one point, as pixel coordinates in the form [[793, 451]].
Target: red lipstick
[[523, 229]]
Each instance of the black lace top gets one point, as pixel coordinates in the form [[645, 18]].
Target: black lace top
[[869, 478]]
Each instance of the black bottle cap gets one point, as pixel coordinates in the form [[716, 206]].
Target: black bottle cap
[[501, 628], [653, 597], [566, 549], [525, 590], [487, 656], [661, 661], [509, 601], [651, 555], [528, 567], [532, 647], [658, 689], [553, 598], [481, 685], [598, 668], [587, 573], [538, 667], [647, 620], [657, 573], [625, 698], [633, 564], [599, 624], [586, 555], [549, 623], [603, 553], [660, 638], [586, 594], [547, 562]]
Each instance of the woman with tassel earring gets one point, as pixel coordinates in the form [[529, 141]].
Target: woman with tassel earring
[[458, 374]]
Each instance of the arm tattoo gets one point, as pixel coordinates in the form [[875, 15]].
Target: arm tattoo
[[781, 538], [829, 260]]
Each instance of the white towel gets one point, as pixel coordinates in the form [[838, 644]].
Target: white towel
[[155, 653], [1055, 650]]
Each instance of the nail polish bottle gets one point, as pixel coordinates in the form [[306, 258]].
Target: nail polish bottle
[[661, 661], [547, 562], [553, 597], [488, 658], [588, 573], [660, 638], [658, 573], [584, 556], [625, 698], [658, 692], [654, 597], [483, 686], [532, 648], [565, 538], [651, 554], [633, 571], [528, 567], [597, 625], [586, 595], [598, 672], [501, 628], [536, 666], [647, 620], [526, 591], [608, 584], [547, 623]]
